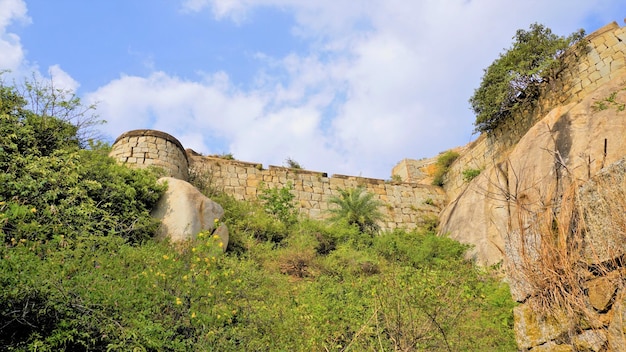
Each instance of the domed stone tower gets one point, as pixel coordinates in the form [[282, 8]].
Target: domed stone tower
[[144, 148]]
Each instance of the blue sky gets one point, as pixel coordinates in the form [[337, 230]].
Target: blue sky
[[341, 86]]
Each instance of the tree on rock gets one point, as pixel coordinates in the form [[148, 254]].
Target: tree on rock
[[514, 79]]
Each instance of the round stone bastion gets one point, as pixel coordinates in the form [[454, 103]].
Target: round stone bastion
[[145, 148]]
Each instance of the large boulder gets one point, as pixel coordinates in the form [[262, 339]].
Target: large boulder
[[184, 212], [569, 145]]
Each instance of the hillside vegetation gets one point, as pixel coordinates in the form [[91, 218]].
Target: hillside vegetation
[[79, 269]]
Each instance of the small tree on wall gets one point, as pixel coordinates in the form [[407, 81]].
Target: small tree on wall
[[514, 79]]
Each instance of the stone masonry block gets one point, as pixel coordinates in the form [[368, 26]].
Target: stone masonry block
[[621, 34], [617, 64], [594, 76], [611, 40]]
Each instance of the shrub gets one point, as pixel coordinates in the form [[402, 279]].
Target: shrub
[[470, 174], [293, 164], [419, 248], [442, 166], [51, 186], [278, 202]]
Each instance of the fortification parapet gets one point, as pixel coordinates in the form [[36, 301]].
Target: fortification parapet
[[407, 204], [145, 148]]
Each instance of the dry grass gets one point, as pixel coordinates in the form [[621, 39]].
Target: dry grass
[[560, 252]]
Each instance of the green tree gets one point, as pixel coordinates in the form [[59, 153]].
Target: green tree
[[358, 207], [44, 99], [52, 186], [514, 79]]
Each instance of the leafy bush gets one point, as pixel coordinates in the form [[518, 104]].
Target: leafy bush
[[513, 80], [248, 222], [278, 202], [50, 186], [419, 248], [442, 166]]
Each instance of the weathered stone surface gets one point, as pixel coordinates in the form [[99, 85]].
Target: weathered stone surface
[[184, 212], [533, 329], [510, 198], [532, 168], [601, 292], [553, 347], [603, 204], [473, 220], [617, 329], [590, 340]]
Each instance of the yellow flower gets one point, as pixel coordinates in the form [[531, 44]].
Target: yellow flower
[[216, 237], [33, 210], [194, 249], [185, 277], [193, 314], [221, 244], [166, 257], [216, 220], [178, 301]]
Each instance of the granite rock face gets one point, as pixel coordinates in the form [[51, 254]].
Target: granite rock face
[[550, 204]]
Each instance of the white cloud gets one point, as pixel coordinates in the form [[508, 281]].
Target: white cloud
[[12, 52], [61, 79], [382, 80]]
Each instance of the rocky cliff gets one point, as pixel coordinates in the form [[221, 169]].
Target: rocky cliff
[[550, 206]]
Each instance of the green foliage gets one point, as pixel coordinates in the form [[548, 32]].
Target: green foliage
[[226, 156], [50, 186], [79, 271], [609, 102], [470, 174], [443, 165], [409, 290], [357, 207], [419, 248], [293, 164], [249, 223], [278, 202], [513, 80], [44, 99], [395, 179]]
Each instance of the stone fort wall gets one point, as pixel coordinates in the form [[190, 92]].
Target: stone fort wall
[[406, 204]]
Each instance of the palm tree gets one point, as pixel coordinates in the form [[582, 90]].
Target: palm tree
[[357, 207]]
